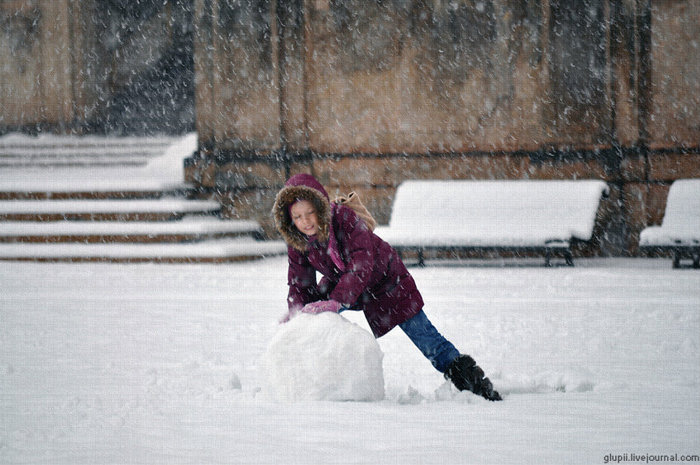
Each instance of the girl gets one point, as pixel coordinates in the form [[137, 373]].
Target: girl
[[360, 272]]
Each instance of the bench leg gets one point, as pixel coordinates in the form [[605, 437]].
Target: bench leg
[[676, 259], [696, 261], [568, 257], [421, 260]]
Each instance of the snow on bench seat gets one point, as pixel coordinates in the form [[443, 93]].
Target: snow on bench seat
[[518, 214], [680, 229]]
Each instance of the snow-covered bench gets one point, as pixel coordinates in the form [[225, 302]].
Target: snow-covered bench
[[542, 216], [680, 229]]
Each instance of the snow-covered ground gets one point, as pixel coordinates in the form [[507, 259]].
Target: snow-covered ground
[[114, 363]]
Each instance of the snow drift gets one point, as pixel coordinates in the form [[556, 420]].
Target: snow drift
[[323, 357]]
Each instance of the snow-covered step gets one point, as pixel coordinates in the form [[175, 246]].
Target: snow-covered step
[[20, 140], [104, 210], [162, 174], [75, 157], [222, 250], [187, 229], [21, 150], [85, 182]]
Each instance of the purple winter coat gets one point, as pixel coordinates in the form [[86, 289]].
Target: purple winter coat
[[371, 276]]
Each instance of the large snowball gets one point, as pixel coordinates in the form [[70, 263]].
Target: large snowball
[[323, 357]]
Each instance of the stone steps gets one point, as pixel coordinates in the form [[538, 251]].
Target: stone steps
[[148, 231], [92, 199]]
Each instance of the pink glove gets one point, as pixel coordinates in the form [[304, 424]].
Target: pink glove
[[322, 306], [313, 308]]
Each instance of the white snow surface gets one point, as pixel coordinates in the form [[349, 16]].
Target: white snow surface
[[323, 357], [681, 223], [492, 213], [124, 363]]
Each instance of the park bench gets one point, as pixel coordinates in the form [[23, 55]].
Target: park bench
[[514, 215], [679, 232]]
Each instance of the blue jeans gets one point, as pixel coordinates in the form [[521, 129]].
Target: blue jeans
[[431, 343]]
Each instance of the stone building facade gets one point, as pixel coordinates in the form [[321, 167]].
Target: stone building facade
[[96, 66], [365, 94]]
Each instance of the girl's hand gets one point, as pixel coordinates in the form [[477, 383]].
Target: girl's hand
[[314, 308], [322, 306]]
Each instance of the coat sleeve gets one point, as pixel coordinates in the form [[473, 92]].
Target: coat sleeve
[[357, 245], [325, 287], [301, 279]]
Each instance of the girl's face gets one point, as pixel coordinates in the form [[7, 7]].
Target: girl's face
[[304, 217]]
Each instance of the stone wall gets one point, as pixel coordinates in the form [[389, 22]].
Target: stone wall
[[367, 94], [44, 57], [86, 66]]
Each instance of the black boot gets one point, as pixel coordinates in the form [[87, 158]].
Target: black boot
[[467, 376]]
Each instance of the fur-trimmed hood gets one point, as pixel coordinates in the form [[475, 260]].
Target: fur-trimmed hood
[[302, 187]]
